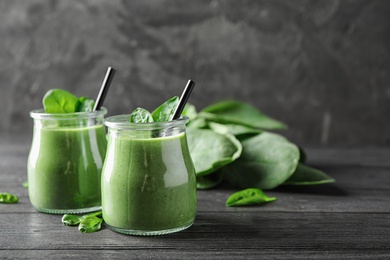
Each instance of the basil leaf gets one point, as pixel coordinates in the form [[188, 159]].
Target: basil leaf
[[165, 111], [8, 198], [267, 161], [305, 175], [210, 151], [234, 112], [85, 104], [248, 197], [60, 101], [209, 181], [90, 224], [71, 220], [140, 115]]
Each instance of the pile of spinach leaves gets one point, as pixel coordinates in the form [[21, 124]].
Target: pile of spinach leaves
[[231, 141]]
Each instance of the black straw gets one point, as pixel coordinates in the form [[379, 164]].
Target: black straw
[[183, 99], [104, 88]]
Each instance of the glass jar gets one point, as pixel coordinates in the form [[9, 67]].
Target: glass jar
[[65, 161], [148, 179]]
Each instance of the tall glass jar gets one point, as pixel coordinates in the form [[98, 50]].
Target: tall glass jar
[[65, 161], [148, 179]]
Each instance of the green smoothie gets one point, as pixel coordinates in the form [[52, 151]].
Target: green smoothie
[[148, 184], [64, 168]]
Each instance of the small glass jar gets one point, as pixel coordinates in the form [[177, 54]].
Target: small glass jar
[[65, 161], [148, 179]]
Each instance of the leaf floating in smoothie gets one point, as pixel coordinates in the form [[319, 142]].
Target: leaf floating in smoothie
[[248, 197], [165, 111], [8, 198], [140, 115], [60, 101], [86, 104]]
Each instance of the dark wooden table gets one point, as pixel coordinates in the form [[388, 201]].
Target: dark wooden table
[[347, 219]]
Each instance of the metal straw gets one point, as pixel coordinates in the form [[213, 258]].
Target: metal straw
[[183, 99], [104, 88]]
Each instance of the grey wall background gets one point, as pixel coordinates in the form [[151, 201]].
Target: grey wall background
[[322, 67]]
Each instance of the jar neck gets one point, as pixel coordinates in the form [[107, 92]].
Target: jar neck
[[67, 120], [121, 126]]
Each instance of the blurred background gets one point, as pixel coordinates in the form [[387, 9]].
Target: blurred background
[[321, 67]]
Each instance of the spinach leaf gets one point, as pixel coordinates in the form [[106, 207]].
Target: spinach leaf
[[198, 122], [234, 112], [140, 115], [87, 223], [210, 150], [209, 181], [85, 104], [25, 184], [190, 111], [90, 224], [8, 198], [165, 111], [60, 101], [248, 197], [236, 130], [305, 175], [267, 161], [71, 220]]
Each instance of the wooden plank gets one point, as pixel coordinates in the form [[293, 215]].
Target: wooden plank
[[178, 253], [211, 231]]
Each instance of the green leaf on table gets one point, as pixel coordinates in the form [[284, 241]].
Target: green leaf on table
[[71, 220], [190, 111], [165, 111], [210, 150], [267, 161], [60, 101], [234, 112], [90, 224], [87, 223], [140, 115], [8, 198], [248, 197], [209, 181], [25, 184], [86, 104], [306, 175]]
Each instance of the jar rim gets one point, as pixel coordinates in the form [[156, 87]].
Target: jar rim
[[122, 122], [41, 114]]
